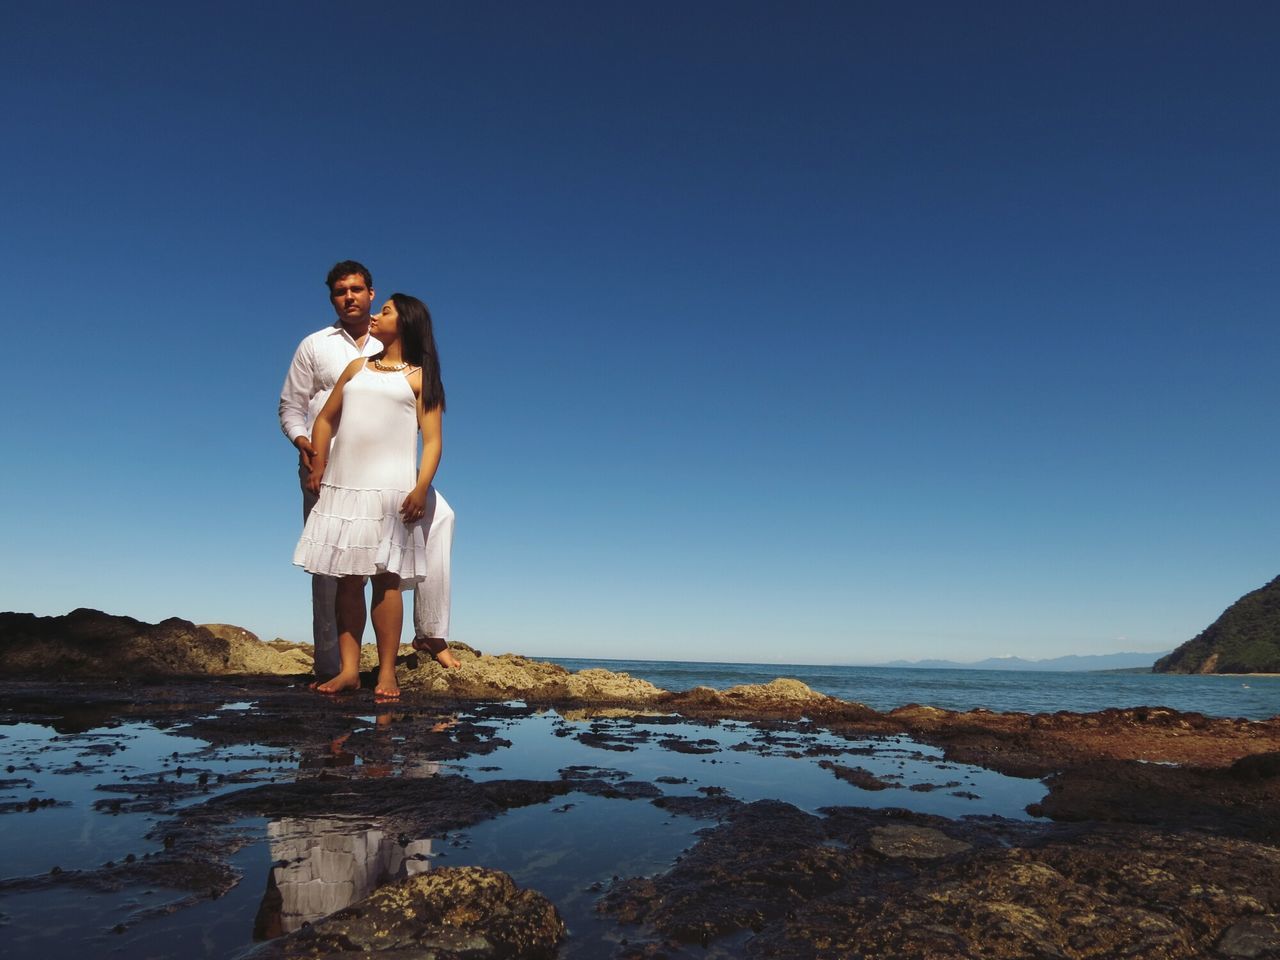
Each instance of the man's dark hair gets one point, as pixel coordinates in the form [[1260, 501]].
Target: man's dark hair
[[344, 269]]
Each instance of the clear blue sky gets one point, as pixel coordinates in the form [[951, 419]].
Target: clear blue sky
[[814, 332]]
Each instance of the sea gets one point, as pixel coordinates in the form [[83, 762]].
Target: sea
[[1253, 697]]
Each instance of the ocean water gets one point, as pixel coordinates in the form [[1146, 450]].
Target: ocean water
[[1030, 691]]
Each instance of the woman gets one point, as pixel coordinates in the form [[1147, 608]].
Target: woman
[[367, 522]]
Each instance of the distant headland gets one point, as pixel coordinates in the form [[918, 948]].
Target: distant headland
[[1245, 639]]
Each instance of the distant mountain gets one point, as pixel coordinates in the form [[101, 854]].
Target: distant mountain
[[1245, 639], [1102, 661]]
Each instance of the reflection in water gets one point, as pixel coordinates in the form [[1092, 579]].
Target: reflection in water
[[323, 865]]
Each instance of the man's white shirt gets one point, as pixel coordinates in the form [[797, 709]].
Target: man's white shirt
[[317, 363]]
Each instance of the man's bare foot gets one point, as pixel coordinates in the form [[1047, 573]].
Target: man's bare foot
[[439, 649], [343, 681], [388, 688]]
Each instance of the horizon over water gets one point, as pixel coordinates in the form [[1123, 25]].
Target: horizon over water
[[1254, 697]]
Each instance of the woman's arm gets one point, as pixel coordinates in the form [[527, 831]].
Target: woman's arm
[[326, 423], [431, 424]]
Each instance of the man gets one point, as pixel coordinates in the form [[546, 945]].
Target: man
[[317, 364]]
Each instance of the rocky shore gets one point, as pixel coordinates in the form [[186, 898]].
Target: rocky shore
[[1157, 833]]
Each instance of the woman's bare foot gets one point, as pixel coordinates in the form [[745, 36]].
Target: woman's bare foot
[[388, 688], [439, 649], [343, 681]]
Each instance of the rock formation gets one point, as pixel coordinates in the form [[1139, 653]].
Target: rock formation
[[1245, 639], [91, 645], [453, 913]]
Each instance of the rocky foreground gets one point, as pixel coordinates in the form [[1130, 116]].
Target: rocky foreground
[[1158, 835]]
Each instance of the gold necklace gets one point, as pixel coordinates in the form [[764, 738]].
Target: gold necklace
[[390, 369]]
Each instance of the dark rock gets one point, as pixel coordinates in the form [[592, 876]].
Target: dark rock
[[451, 913], [858, 776], [900, 885], [715, 807], [1257, 766], [1216, 800], [581, 772], [1254, 937], [91, 644], [680, 745], [915, 843], [1036, 745], [766, 860], [614, 790], [603, 741]]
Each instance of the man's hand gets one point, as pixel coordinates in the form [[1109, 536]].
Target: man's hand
[[305, 451]]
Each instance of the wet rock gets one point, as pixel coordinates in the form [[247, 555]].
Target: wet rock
[[613, 784], [1214, 800], [858, 776], [581, 772], [713, 807], [1255, 937], [627, 790], [930, 787], [196, 866], [604, 741], [681, 745], [765, 861], [915, 843], [777, 883], [452, 913], [1035, 745]]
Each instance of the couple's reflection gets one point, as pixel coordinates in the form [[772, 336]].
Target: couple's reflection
[[323, 865]]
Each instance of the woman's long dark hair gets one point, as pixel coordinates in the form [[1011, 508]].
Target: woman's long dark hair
[[418, 344]]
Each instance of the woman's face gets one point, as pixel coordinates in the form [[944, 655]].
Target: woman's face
[[385, 324]]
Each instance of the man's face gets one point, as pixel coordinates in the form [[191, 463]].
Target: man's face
[[351, 298]]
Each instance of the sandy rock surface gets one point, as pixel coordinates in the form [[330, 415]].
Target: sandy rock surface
[[508, 676], [250, 656]]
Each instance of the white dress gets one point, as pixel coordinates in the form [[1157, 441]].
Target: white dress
[[355, 528]]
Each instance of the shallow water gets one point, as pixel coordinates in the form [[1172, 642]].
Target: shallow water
[[569, 848], [73, 769]]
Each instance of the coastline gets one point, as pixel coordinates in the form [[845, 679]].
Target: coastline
[[756, 820]]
